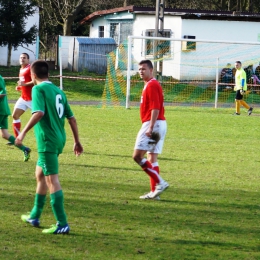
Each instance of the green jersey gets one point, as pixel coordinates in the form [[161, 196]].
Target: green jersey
[[4, 107], [49, 131]]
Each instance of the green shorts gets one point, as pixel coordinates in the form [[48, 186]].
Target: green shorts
[[3, 122], [49, 163]]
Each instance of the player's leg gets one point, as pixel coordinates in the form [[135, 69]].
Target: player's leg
[[20, 107], [26, 150], [17, 121], [152, 158], [40, 197], [237, 106], [57, 198], [10, 138], [244, 104], [56, 194], [138, 157], [141, 147], [249, 109], [237, 102], [160, 127], [5, 134], [41, 191]]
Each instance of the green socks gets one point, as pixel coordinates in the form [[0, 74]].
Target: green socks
[[39, 202], [11, 139], [56, 204], [58, 207]]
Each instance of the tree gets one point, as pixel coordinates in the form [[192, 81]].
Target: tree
[[61, 12], [63, 16], [13, 15]]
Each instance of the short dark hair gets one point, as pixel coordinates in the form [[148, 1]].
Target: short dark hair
[[238, 62], [40, 68], [148, 62], [24, 53]]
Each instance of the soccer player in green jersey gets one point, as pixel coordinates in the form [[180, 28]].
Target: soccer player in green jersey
[[4, 113], [49, 110]]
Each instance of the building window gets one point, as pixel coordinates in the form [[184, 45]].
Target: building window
[[163, 47], [114, 31], [120, 30], [188, 45], [126, 30], [101, 31]]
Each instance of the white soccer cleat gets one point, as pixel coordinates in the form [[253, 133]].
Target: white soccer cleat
[[160, 187], [149, 196]]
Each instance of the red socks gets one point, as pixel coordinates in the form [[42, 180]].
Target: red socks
[[148, 168], [152, 182], [16, 128]]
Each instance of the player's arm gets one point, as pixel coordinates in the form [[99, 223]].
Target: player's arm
[[78, 149], [243, 81], [35, 118], [2, 95], [27, 84]]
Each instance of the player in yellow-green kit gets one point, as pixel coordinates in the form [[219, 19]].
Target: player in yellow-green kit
[[4, 113], [50, 108], [240, 88]]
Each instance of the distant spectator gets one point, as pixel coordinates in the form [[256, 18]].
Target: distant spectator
[[249, 73], [251, 76], [226, 76], [257, 71]]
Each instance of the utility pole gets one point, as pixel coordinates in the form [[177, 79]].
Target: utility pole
[[158, 32]]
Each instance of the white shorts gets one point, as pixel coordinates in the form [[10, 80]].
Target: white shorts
[[23, 104], [142, 140]]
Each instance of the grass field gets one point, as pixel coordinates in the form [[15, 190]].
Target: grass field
[[75, 89], [211, 210], [90, 87]]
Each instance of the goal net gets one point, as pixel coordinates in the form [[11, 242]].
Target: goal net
[[191, 72]]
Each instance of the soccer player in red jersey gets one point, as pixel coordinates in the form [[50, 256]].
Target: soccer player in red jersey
[[25, 85], [153, 120]]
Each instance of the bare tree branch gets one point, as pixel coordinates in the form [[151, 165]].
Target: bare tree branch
[[61, 12]]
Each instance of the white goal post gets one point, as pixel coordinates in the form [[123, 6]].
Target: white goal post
[[200, 63]]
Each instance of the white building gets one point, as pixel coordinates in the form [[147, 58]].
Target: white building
[[32, 49], [119, 23]]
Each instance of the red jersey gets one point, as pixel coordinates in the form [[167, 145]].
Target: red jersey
[[25, 75], [152, 98]]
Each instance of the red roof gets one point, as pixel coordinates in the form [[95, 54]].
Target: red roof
[[185, 13], [92, 16]]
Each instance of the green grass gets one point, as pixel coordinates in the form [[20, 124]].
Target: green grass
[[92, 89], [211, 210], [75, 89]]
